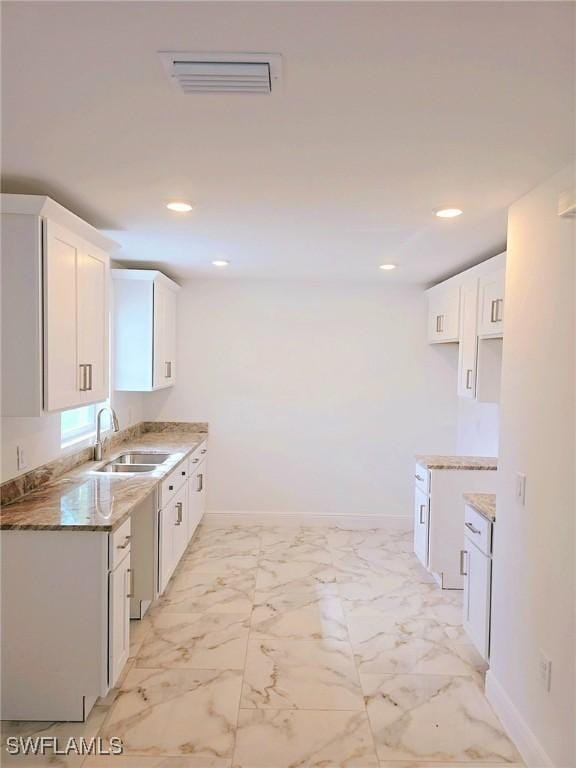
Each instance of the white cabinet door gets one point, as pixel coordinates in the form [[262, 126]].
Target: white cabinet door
[[159, 353], [170, 336], [421, 525], [93, 338], [477, 588], [468, 349], [164, 336], [119, 619], [173, 533], [196, 498], [443, 316], [62, 375], [491, 304]]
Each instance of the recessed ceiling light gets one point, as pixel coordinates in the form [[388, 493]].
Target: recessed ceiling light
[[179, 207], [387, 266], [447, 213], [220, 263]]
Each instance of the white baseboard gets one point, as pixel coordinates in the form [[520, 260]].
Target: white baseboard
[[525, 740], [288, 519]]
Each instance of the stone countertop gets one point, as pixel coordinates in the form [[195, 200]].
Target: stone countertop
[[458, 462], [86, 500], [483, 503]]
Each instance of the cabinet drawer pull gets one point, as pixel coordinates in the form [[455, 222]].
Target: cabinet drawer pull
[[439, 323], [168, 369], [419, 478], [126, 542], [472, 528], [89, 385], [463, 554], [195, 461], [179, 507], [131, 583], [422, 506], [200, 483], [469, 378], [203, 450]]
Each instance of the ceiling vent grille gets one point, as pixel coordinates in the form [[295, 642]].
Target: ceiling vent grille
[[195, 73]]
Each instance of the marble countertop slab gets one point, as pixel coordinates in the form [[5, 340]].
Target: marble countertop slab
[[483, 503], [86, 500], [457, 462]]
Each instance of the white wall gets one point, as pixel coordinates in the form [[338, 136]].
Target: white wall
[[478, 428], [318, 395], [534, 560]]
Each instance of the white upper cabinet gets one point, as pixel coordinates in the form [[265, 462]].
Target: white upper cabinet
[[443, 315], [55, 286], [76, 276], [144, 330], [468, 350], [491, 304], [469, 309]]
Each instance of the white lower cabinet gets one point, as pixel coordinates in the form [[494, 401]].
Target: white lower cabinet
[[173, 535], [119, 618], [439, 517], [476, 567], [421, 522], [65, 620]]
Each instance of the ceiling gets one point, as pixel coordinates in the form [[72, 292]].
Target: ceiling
[[388, 110]]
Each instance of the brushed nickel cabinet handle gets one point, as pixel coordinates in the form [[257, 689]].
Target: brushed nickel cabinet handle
[[179, 508], [82, 385], [499, 307], [130, 592], [203, 450], [422, 506], [469, 378], [493, 311], [126, 542], [195, 461], [89, 387], [419, 478], [200, 483], [472, 528], [168, 369], [463, 554], [439, 323]]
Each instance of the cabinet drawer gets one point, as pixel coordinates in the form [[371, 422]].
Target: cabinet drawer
[[173, 482], [478, 529], [119, 543], [196, 458], [422, 478]]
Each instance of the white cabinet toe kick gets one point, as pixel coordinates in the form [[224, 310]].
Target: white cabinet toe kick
[[439, 518]]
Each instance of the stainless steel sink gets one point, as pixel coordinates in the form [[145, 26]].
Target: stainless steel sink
[[127, 468], [134, 457]]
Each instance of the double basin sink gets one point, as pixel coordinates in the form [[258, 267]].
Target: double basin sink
[[135, 461]]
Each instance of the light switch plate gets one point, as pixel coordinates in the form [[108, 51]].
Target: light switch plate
[[521, 489]]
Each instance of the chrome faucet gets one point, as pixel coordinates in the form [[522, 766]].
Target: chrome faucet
[[115, 428]]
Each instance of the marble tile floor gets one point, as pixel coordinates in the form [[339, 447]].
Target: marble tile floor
[[295, 648]]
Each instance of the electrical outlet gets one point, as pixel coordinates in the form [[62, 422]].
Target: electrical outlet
[[521, 488], [20, 458], [545, 670]]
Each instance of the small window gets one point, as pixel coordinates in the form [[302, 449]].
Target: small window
[[78, 424]]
